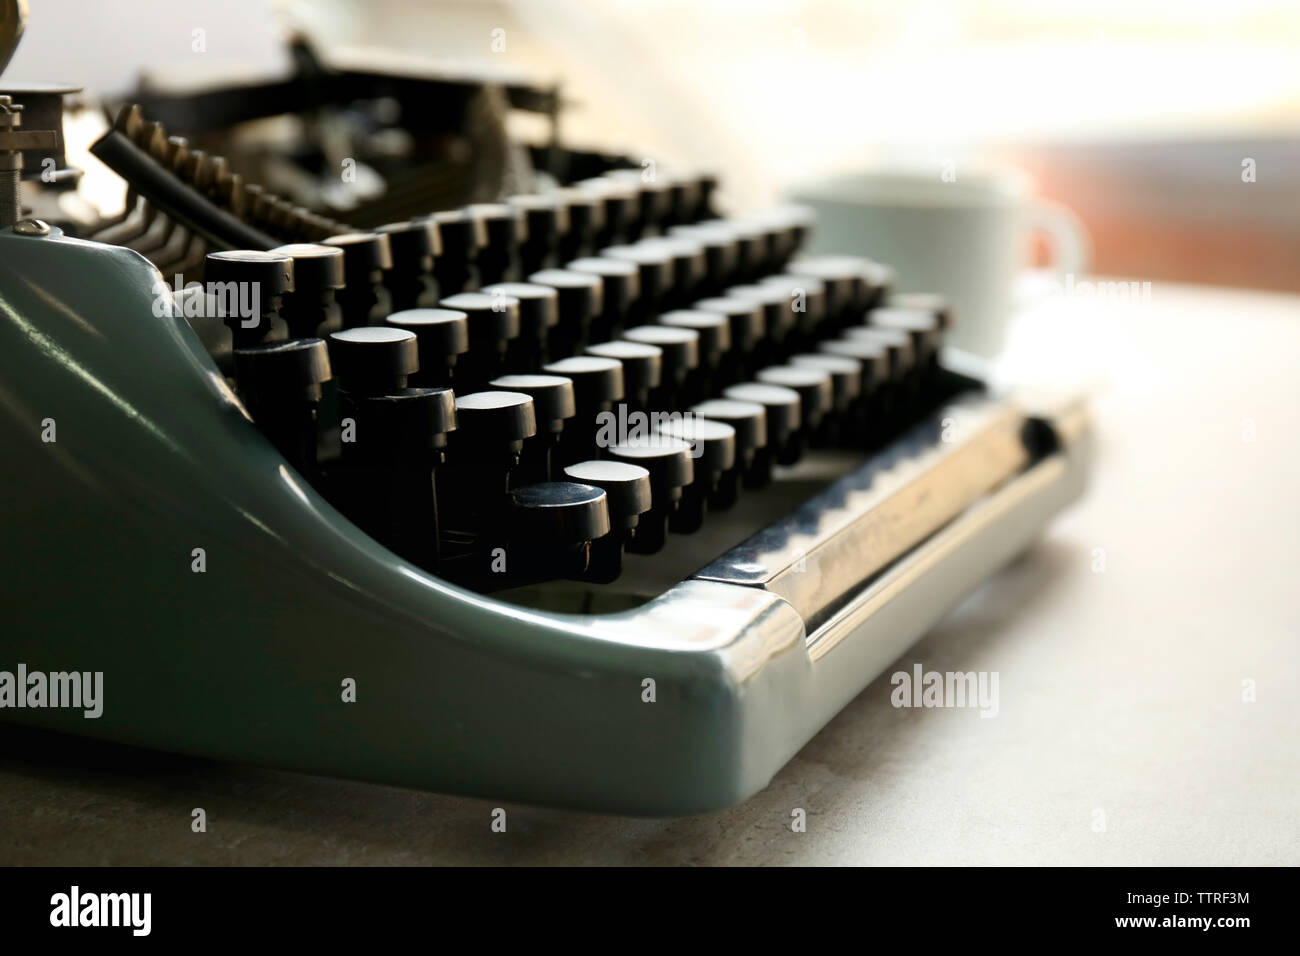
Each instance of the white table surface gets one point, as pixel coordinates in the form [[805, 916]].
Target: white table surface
[[1120, 690]]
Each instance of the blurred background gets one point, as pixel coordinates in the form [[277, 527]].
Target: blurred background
[[1139, 115]]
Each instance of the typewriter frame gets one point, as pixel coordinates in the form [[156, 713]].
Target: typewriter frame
[[456, 692]]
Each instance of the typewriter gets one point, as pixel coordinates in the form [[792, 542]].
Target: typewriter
[[590, 496]]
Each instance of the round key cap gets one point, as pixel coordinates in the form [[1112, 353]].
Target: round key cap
[[626, 487], [805, 298], [720, 252], [745, 316], [655, 264], [244, 288], [902, 355], [597, 382], [713, 443], [373, 359], [713, 328], [282, 371], [747, 419], [412, 244], [778, 319], [622, 286], [688, 263], [813, 385], [580, 298], [495, 417], [443, 334], [492, 318], [844, 280], [317, 268], [619, 205], [552, 395], [462, 234], [539, 306], [845, 373], [562, 513], [505, 228], [872, 356], [680, 347], [270, 272], [401, 422], [667, 459], [781, 406], [546, 218], [586, 215], [366, 255], [929, 302], [921, 327], [642, 365]]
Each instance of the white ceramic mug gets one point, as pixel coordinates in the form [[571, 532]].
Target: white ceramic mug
[[968, 238]]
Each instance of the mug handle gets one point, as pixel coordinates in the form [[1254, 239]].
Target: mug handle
[[1066, 235]]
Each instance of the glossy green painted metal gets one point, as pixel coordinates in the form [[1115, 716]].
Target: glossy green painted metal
[[455, 692]]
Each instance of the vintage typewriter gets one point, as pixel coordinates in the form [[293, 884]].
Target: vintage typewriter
[[588, 496]]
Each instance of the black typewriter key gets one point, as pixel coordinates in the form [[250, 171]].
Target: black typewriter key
[[484, 455], [748, 421], [713, 448], [622, 288], [547, 218], [688, 267], [391, 467], [597, 386], [373, 360], [462, 236], [504, 228], [720, 254], [628, 496], [655, 266], [805, 300], [905, 371], [750, 249], [642, 369], [778, 320], [681, 357], [414, 246], [715, 344], [364, 299], [651, 203], [842, 277], [922, 327], [879, 280], [898, 345], [539, 313], [683, 199], [745, 316], [929, 302], [280, 385], [245, 288], [620, 203], [553, 408], [782, 409], [442, 336], [846, 393], [704, 199], [586, 214], [877, 393], [310, 310], [493, 323], [672, 469], [816, 393], [550, 527], [581, 298]]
